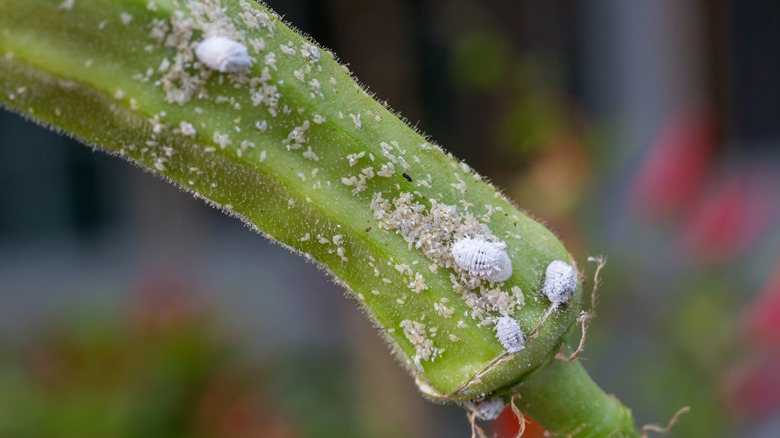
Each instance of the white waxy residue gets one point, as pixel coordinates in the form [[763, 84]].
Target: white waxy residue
[[560, 281], [310, 52], [223, 54], [484, 259]]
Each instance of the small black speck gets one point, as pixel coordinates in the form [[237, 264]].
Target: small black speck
[[408, 178]]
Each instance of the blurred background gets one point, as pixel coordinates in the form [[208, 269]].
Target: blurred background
[[646, 131]]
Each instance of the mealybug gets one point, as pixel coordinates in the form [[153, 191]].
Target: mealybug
[[483, 259], [223, 54], [487, 410], [509, 334], [560, 281]]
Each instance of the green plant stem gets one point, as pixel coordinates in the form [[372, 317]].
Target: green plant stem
[[281, 146], [563, 394]]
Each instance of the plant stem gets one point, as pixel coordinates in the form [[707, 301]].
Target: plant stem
[[295, 148], [562, 397]]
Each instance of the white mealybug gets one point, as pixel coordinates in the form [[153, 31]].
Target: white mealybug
[[223, 54], [483, 259], [487, 410], [509, 334], [560, 281]]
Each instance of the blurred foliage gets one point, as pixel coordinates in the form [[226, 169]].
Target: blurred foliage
[[165, 375], [479, 61]]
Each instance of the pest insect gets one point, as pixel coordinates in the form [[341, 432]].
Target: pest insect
[[483, 259], [509, 334], [223, 54], [559, 282], [487, 410]]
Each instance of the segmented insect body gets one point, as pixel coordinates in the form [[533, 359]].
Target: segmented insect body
[[484, 259], [509, 334], [487, 410], [560, 281], [223, 54]]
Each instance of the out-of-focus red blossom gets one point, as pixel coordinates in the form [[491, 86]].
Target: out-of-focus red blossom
[[719, 220], [727, 222], [508, 426], [752, 388], [762, 316], [676, 165], [228, 411]]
